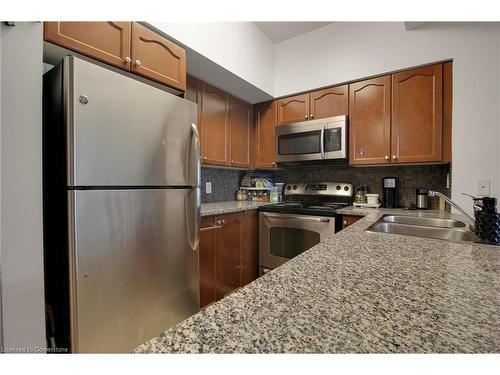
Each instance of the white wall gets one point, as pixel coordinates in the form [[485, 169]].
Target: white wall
[[240, 47], [345, 51], [21, 185]]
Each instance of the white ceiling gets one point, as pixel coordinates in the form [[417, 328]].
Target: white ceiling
[[280, 31]]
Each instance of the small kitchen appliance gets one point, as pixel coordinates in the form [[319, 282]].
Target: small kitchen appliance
[[422, 199], [390, 189]]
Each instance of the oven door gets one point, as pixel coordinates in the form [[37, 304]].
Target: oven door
[[284, 236]]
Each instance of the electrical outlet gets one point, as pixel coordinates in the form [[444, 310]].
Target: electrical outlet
[[208, 187], [483, 188]]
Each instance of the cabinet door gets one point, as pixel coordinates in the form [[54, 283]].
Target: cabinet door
[[293, 109], [207, 251], [348, 220], [265, 118], [370, 121], [214, 130], [240, 119], [193, 93], [251, 250], [157, 58], [229, 265], [330, 102], [417, 96], [105, 41]]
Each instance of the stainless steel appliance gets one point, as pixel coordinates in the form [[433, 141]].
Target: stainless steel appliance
[[121, 208], [314, 140], [422, 199], [306, 217]]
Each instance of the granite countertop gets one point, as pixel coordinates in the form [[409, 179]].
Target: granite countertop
[[357, 292], [208, 209]]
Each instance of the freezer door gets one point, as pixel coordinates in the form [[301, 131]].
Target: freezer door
[[122, 132], [133, 267]]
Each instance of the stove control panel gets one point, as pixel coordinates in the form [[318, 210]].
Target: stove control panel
[[320, 188]]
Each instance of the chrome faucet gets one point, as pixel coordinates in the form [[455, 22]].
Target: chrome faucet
[[437, 193]]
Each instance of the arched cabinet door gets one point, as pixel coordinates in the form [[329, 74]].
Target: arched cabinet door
[[370, 121], [330, 102], [157, 58], [108, 42], [417, 113], [293, 109]]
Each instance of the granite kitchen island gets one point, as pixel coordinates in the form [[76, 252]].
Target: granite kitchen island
[[357, 292]]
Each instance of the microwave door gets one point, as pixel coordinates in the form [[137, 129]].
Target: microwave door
[[299, 143], [334, 141]]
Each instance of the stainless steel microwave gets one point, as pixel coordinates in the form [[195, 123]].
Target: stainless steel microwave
[[322, 139]]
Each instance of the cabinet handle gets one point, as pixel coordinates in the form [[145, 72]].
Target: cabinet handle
[[274, 163], [386, 157], [344, 222], [138, 62], [307, 117], [128, 60], [394, 157], [204, 158], [210, 228], [311, 115]]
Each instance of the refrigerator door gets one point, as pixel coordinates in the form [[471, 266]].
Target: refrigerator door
[[122, 132], [133, 269]]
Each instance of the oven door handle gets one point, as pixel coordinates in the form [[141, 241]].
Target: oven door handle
[[298, 218], [322, 142]]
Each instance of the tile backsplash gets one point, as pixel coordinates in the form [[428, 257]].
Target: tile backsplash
[[224, 184], [225, 181], [411, 177]]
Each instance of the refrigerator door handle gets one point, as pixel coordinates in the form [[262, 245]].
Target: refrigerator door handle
[[196, 157], [195, 172]]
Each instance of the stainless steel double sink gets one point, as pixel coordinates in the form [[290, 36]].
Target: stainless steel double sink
[[428, 227]]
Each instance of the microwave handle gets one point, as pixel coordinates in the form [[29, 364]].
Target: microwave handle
[[322, 141]]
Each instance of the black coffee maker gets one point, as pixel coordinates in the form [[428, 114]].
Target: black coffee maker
[[390, 192]]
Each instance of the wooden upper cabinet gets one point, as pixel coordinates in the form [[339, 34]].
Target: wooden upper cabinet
[[157, 58], [214, 126], [265, 119], [240, 115], [447, 109], [105, 41], [193, 92], [330, 102], [293, 109], [370, 121], [417, 115], [229, 266]]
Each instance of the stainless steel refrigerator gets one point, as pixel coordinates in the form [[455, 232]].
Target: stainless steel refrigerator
[[121, 208]]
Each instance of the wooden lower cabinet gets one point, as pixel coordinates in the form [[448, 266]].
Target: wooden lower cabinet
[[208, 244], [228, 254], [348, 220], [251, 250]]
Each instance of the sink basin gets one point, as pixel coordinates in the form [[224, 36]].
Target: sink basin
[[428, 227], [427, 221]]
